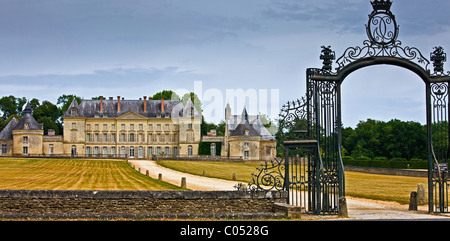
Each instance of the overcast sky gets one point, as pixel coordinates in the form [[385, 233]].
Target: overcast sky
[[136, 48]]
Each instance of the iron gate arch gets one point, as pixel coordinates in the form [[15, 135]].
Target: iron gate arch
[[312, 171]]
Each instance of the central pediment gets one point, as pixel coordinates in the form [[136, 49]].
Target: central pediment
[[132, 115]]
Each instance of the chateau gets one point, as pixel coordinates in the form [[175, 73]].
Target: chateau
[[136, 129], [110, 128], [245, 137]]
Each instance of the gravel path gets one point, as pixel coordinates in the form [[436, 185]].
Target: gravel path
[[358, 209]]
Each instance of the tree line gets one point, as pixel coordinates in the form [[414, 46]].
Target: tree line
[[392, 139]]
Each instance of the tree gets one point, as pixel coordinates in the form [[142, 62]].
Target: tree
[[65, 101], [195, 100], [167, 94], [11, 105]]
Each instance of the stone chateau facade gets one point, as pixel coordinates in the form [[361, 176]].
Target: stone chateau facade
[[136, 129], [109, 128]]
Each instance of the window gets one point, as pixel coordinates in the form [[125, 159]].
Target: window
[[96, 127], [175, 151], [122, 151], [150, 151], [105, 151], [158, 127], [167, 150], [190, 137], [88, 150], [131, 151], [158, 150], [150, 127], [213, 149], [25, 140], [88, 127], [132, 127], [96, 137], [122, 137], [175, 127], [74, 150], [113, 127], [141, 152], [88, 137], [190, 126], [105, 137], [50, 149], [131, 137], [96, 150], [4, 149], [246, 144], [154, 137], [190, 151], [113, 137], [162, 138], [122, 126], [105, 127], [167, 127], [25, 150], [141, 127], [74, 125], [113, 151], [246, 154]]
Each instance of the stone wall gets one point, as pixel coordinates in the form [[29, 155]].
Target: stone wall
[[137, 204]]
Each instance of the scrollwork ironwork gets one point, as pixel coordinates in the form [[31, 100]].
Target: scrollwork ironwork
[[269, 176], [382, 31]]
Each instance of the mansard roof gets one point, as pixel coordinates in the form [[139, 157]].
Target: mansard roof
[[91, 108]]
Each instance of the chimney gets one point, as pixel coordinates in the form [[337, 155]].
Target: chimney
[[162, 104], [145, 104], [118, 104], [101, 104], [150, 98]]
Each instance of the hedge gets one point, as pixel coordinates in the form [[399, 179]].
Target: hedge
[[397, 163]]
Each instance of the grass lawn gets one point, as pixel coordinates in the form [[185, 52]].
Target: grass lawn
[[382, 187], [221, 170], [364, 185], [74, 174]]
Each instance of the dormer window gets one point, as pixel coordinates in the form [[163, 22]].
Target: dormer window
[[25, 126], [73, 111], [246, 132]]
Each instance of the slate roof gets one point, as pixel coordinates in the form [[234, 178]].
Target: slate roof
[[6, 133], [91, 108], [255, 129], [28, 122]]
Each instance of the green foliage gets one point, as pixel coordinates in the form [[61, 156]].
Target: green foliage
[[382, 162], [167, 94], [65, 100], [393, 139], [204, 148], [195, 100]]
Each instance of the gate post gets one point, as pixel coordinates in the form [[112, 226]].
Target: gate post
[[430, 155]]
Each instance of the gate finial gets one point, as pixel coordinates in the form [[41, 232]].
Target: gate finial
[[438, 57], [327, 56]]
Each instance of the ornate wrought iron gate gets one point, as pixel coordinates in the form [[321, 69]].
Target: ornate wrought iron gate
[[312, 170]]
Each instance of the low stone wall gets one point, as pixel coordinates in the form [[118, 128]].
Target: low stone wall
[[138, 204]]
